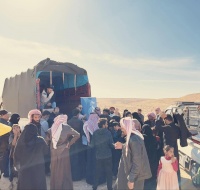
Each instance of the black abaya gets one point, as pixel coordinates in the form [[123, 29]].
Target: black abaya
[[29, 160], [77, 152]]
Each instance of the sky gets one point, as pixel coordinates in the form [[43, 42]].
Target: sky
[[130, 48]]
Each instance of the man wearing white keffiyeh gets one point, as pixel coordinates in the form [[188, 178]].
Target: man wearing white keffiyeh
[[134, 165], [60, 137], [56, 128]]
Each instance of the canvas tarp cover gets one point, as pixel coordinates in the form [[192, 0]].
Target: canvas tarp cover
[[50, 65], [19, 93]]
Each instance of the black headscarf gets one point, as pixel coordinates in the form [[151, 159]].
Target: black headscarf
[[116, 118], [136, 116], [26, 146], [149, 139], [14, 119]]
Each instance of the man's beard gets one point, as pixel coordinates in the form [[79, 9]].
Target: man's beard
[[35, 122]]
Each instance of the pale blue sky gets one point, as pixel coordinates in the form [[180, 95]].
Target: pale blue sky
[[130, 48]]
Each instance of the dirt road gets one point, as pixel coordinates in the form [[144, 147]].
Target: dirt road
[[82, 185]]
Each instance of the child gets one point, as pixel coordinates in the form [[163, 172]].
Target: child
[[14, 136], [167, 170]]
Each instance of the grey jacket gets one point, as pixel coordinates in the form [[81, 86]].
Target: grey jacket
[[136, 163]]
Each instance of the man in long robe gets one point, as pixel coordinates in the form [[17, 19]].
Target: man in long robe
[[77, 150], [60, 138]]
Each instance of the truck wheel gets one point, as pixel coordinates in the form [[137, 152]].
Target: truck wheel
[[194, 174]]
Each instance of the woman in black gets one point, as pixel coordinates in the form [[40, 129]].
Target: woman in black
[[136, 116], [151, 148], [29, 159]]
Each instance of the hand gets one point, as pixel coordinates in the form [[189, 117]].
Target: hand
[[173, 159], [130, 185], [15, 131], [68, 145], [49, 104], [118, 145], [18, 134]]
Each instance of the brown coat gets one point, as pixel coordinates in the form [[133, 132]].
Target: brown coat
[[60, 162]]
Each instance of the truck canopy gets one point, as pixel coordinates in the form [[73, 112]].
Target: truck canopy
[[19, 93]]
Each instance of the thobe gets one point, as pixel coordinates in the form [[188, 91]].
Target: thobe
[[60, 162], [77, 152]]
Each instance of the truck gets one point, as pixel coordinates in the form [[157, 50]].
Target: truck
[[189, 156], [21, 93]]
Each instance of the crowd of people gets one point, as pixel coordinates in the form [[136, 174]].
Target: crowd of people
[[125, 151]]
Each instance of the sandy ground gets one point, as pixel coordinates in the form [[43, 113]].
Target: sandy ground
[[82, 185]]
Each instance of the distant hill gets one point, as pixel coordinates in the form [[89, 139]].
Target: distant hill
[[147, 105], [191, 97]]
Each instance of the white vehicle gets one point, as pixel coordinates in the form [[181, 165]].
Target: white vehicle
[[189, 157]]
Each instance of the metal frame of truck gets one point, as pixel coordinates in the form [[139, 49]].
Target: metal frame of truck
[[189, 157]]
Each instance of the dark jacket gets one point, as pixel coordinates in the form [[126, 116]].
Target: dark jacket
[[117, 136], [77, 151], [51, 119], [171, 135], [3, 147], [184, 132], [151, 123], [3, 144], [159, 131], [103, 143], [141, 116], [4, 122], [151, 146]]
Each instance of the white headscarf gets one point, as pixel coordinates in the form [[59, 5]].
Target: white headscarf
[[33, 112], [129, 125], [56, 128], [91, 125]]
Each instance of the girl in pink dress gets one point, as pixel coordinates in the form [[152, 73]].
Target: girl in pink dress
[[167, 171]]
